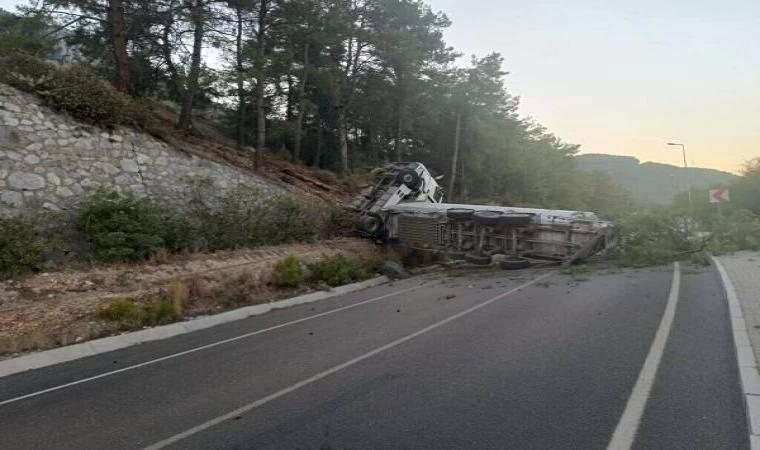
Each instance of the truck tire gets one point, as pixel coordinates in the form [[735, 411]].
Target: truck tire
[[488, 218], [516, 220], [515, 264], [478, 260], [372, 224], [459, 214], [410, 179]]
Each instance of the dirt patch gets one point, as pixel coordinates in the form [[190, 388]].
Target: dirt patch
[[60, 308]]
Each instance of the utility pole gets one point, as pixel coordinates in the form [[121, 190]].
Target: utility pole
[[688, 183]]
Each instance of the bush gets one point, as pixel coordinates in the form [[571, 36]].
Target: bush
[[147, 312], [21, 246], [735, 232], [122, 227], [288, 273], [334, 271], [129, 314], [651, 239], [76, 90], [248, 217]]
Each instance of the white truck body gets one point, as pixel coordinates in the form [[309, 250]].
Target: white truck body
[[406, 206]]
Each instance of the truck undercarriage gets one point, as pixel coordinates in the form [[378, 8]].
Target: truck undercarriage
[[405, 207]]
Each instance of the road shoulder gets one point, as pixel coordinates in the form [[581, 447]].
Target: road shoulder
[[98, 346], [740, 274]]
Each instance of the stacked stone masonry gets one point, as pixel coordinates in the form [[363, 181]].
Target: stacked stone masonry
[[48, 161]]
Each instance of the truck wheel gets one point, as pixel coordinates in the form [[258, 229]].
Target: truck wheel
[[459, 214], [487, 218], [515, 264], [516, 220], [410, 179], [479, 260], [372, 224], [456, 256]]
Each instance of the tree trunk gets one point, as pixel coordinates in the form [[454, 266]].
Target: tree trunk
[[240, 79], [463, 184], [119, 43], [175, 89], [455, 157], [320, 142], [399, 118], [343, 142], [261, 122], [290, 100], [301, 103], [186, 114], [399, 127]]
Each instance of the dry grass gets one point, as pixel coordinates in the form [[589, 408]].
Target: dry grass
[[179, 293]]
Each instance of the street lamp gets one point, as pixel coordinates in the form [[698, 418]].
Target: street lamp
[[688, 182]]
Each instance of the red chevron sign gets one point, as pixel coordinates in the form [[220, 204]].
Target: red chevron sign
[[719, 196]]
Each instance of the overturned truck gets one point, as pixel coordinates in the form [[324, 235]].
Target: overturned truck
[[405, 206]]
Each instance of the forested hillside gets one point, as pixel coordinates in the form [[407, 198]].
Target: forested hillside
[[652, 183], [338, 84]]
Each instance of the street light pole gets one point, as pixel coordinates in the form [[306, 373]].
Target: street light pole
[[688, 181]]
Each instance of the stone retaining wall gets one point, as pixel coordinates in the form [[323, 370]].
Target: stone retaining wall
[[49, 161]]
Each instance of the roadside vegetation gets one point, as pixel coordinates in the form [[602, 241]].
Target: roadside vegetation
[[198, 295], [116, 227], [659, 235]]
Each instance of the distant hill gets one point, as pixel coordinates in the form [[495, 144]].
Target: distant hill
[[651, 182]]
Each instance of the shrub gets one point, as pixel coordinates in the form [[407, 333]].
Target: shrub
[[288, 273], [737, 231], [74, 89], [122, 227], [161, 311], [369, 266], [651, 239], [147, 312], [334, 271], [21, 246], [248, 217], [129, 314]]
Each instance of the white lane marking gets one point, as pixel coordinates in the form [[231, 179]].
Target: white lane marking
[[627, 427], [230, 415], [206, 347]]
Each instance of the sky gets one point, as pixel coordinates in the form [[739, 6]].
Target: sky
[[626, 76]]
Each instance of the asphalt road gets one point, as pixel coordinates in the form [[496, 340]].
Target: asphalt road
[[469, 359]]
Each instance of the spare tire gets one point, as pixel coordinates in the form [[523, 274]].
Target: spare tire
[[487, 218], [515, 264], [479, 260], [459, 214], [516, 219]]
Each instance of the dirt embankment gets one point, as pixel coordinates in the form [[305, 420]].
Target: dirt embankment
[[60, 308]]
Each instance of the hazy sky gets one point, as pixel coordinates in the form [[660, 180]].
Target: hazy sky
[[626, 76]]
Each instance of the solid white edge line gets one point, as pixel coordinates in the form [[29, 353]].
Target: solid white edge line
[[627, 427], [205, 347], [232, 414], [39, 360], [746, 372]]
